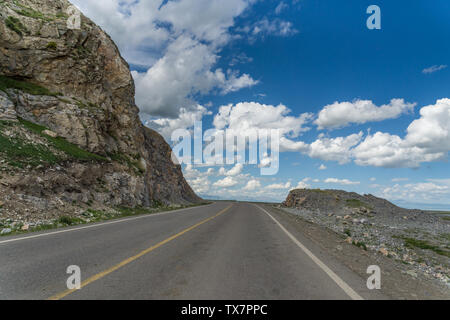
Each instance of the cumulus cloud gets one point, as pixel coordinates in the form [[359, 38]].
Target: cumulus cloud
[[432, 130], [178, 50], [252, 185], [200, 185], [334, 149], [341, 114], [427, 139], [279, 186], [246, 118], [427, 191], [345, 182], [386, 150], [323, 167], [217, 17], [199, 181], [236, 170], [302, 185], [434, 68], [185, 119], [226, 183], [132, 24], [186, 70]]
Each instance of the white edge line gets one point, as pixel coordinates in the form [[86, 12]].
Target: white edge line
[[341, 283], [100, 224]]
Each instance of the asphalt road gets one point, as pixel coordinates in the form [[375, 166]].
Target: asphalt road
[[220, 251]]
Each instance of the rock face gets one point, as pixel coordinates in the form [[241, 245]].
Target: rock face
[[67, 98]]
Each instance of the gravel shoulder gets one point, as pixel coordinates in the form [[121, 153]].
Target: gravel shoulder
[[404, 280]]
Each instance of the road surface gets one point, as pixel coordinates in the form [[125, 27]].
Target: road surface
[[224, 250]]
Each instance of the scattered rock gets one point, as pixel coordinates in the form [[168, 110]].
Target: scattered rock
[[412, 238], [384, 251], [412, 273], [50, 133], [6, 231]]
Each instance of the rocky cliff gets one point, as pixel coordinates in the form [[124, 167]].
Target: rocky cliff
[[70, 133]]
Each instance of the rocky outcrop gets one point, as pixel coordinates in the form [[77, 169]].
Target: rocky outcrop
[[337, 201], [75, 85], [417, 240]]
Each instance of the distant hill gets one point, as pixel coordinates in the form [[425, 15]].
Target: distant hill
[[340, 201]]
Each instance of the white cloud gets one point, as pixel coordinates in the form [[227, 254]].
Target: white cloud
[[430, 191], [345, 182], [178, 49], [199, 181], [431, 131], [267, 27], [132, 25], [279, 186], [185, 119], [334, 149], [233, 82], [246, 118], [186, 70], [200, 185], [266, 160], [226, 183], [236, 170], [302, 185], [288, 145], [217, 17], [341, 114], [252, 185], [434, 68], [280, 7], [275, 27], [323, 167], [386, 150], [427, 139], [241, 58], [191, 172]]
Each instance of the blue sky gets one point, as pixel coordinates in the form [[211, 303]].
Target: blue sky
[[191, 57]]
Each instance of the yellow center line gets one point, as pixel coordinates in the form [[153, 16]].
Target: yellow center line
[[133, 258]]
